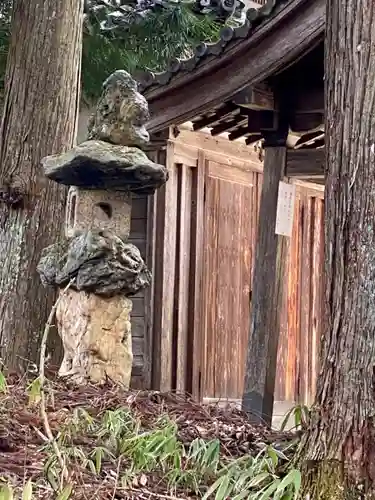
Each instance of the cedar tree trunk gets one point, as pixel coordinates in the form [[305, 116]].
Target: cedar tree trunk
[[338, 452], [39, 118]]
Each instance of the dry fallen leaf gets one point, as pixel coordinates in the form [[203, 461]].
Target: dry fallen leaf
[[143, 480]]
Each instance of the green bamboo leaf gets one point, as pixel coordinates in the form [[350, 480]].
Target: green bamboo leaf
[[224, 489], [273, 456], [27, 492], [281, 455], [66, 493], [297, 416], [213, 488], [98, 460], [6, 492], [242, 495], [292, 478], [286, 419], [258, 479], [288, 495], [243, 479], [34, 391], [3, 383], [212, 453], [265, 493]]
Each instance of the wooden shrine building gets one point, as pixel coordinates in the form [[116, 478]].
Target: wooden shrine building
[[261, 81]]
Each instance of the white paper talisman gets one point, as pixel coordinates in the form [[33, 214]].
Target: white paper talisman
[[285, 209]]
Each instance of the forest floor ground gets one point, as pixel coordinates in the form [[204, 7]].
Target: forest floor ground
[[109, 444]]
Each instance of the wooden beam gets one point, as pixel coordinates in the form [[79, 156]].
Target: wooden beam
[[225, 111], [253, 138], [259, 121], [251, 98], [310, 138], [285, 37], [239, 132], [305, 162], [257, 98], [304, 122], [228, 125], [307, 99], [267, 295], [317, 143]]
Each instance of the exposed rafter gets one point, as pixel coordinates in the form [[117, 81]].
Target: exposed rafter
[[227, 110]]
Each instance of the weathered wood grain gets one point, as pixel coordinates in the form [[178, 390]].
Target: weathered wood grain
[[40, 115], [305, 162], [196, 283], [267, 296], [183, 275], [226, 279], [167, 298], [306, 300]]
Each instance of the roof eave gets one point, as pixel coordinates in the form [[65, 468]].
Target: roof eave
[[285, 37]]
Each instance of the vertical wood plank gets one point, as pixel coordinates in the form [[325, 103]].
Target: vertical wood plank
[[267, 296], [282, 352], [246, 240], [149, 293], [299, 360], [211, 275], [322, 282], [227, 275], [317, 291], [157, 156], [157, 278], [196, 330], [184, 237], [166, 300], [305, 352], [293, 309]]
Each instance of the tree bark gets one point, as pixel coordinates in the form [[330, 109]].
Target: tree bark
[[338, 452], [40, 113]]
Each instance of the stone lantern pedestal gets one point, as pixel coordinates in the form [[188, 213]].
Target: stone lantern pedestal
[[96, 335], [93, 317]]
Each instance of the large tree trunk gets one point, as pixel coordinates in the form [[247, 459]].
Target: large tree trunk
[[39, 118], [339, 450]]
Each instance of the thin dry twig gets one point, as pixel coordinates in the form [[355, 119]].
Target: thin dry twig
[[21, 423], [117, 478], [43, 410]]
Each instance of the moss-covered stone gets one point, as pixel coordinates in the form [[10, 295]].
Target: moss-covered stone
[[121, 113], [101, 165], [99, 262]]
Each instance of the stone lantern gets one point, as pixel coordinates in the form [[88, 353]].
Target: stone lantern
[[93, 317]]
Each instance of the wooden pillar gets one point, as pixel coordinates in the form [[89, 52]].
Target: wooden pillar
[[165, 233], [267, 290]]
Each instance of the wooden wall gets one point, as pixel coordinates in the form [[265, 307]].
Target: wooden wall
[[301, 321], [138, 236], [205, 239]]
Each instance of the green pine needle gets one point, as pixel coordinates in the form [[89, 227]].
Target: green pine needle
[[164, 34]]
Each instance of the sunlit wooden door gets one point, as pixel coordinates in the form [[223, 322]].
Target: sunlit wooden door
[[231, 207]]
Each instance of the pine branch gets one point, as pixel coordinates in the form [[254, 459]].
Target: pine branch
[[137, 34]]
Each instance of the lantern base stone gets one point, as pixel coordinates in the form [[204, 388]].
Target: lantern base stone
[[96, 336]]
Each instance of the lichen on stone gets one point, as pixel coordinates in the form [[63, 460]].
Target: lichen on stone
[[100, 165], [96, 335], [99, 262], [121, 113]]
